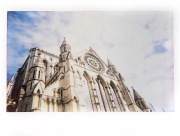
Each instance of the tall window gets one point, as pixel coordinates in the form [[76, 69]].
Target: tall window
[[103, 95], [115, 98], [86, 91], [34, 74], [100, 97], [39, 74]]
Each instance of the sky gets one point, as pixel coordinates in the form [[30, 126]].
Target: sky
[[139, 44]]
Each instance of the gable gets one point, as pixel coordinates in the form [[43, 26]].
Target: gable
[[91, 60]]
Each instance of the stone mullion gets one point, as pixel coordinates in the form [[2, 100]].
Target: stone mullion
[[92, 96], [120, 100], [96, 97], [111, 99], [105, 96], [108, 98], [104, 104]]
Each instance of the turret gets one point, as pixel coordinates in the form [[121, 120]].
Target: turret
[[140, 101], [65, 51], [36, 74]]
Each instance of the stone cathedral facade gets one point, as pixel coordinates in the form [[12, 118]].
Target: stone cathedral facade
[[65, 83]]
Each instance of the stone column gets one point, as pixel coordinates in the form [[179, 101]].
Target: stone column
[[108, 93]]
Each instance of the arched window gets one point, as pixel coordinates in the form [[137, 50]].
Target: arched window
[[103, 94], [99, 95], [34, 74], [115, 96], [86, 89], [39, 74]]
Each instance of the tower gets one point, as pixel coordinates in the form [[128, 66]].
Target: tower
[[140, 102], [35, 83], [65, 76], [65, 51]]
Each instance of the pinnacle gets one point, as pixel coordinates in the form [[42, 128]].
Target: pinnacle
[[64, 41], [109, 63], [136, 95]]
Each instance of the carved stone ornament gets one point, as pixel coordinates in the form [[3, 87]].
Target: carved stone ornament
[[94, 63]]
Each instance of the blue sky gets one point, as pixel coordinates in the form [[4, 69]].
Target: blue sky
[[138, 43]]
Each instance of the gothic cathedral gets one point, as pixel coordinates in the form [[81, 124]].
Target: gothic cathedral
[[65, 83]]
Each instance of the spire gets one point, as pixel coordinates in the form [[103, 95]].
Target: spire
[[136, 95], [109, 63], [64, 41], [65, 51], [65, 45]]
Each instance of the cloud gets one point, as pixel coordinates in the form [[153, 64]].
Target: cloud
[[138, 43]]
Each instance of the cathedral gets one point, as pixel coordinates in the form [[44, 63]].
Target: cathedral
[[67, 83]]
